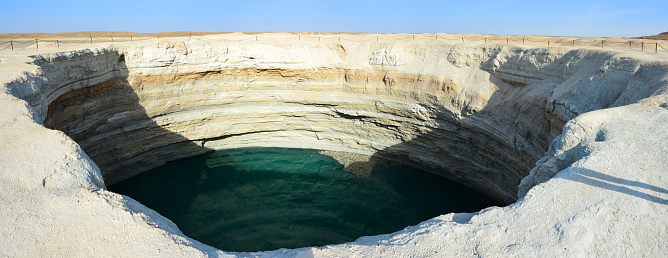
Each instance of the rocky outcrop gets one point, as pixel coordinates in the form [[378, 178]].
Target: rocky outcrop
[[481, 115]]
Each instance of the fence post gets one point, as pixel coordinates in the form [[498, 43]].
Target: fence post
[[462, 39], [436, 36], [11, 42], [573, 43], [376, 39], [602, 43], [522, 41], [629, 44], [36, 44], [548, 43], [413, 37], [300, 36], [485, 40], [130, 38], [506, 41]]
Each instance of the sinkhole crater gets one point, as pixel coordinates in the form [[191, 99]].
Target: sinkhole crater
[[482, 116]]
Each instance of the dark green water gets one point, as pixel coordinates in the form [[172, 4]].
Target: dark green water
[[258, 199]]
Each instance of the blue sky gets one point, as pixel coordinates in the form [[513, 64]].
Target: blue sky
[[558, 18]]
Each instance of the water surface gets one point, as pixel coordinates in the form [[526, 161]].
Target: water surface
[[257, 199]]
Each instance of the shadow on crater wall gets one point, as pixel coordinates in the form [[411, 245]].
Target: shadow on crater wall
[[113, 128]]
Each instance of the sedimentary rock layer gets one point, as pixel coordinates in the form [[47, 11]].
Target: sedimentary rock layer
[[481, 115]]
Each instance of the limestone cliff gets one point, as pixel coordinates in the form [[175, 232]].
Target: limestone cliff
[[482, 116]]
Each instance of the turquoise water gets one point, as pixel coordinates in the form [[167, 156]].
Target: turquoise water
[[258, 199]]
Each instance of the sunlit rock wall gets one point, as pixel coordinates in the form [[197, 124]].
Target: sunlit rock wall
[[480, 115]]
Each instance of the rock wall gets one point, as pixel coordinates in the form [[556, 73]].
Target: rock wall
[[481, 115]]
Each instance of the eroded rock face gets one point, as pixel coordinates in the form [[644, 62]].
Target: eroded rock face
[[484, 117], [481, 115]]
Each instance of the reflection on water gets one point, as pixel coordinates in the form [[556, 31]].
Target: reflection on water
[[257, 199]]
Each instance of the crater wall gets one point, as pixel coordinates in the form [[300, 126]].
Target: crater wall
[[481, 115]]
